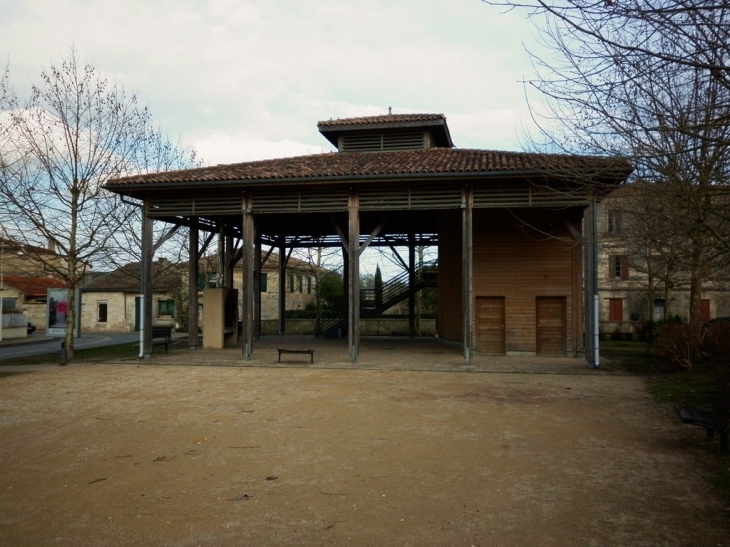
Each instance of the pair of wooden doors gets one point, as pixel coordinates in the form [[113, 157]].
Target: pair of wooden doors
[[550, 325]]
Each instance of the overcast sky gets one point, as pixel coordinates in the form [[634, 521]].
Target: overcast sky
[[244, 80]]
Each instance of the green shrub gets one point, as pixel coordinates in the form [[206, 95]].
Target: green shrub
[[301, 314], [646, 330]]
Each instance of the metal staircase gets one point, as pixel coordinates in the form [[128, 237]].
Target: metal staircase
[[372, 302]]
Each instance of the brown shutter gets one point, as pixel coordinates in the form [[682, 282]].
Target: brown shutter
[[615, 309], [624, 267]]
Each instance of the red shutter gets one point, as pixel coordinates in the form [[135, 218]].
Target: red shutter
[[624, 267], [615, 309]]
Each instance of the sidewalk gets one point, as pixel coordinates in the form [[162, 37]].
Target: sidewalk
[[378, 353]]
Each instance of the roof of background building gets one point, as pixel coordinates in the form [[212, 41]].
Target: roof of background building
[[165, 277], [32, 286]]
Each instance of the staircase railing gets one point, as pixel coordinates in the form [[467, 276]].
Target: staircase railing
[[398, 288], [373, 302]]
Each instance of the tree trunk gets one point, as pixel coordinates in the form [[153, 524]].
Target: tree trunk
[[695, 287]]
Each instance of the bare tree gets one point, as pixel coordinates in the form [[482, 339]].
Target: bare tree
[[75, 131], [159, 153], [698, 30]]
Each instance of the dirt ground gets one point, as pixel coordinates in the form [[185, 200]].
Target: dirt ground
[[395, 452]]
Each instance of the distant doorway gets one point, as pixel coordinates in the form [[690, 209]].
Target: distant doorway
[[658, 309], [551, 325], [490, 325]]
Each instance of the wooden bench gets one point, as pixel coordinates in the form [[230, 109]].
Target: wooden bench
[[163, 332], [711, 421], [309, 351]]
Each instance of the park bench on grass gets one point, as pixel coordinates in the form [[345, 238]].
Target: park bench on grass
[[711, 421], [162, 332], [309, 351]]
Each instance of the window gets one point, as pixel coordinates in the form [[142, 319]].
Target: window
[[263, 281], [167, 307], [309, 285], [101, 312], [291, 283], [615, 309], [614, 222], [618, 267], [300, 282]]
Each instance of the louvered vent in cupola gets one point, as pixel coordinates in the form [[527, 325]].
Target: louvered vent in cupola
[[382, 142]]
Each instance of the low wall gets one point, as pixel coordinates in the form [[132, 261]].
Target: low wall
[[368, 327], [15, 332], [14, 325]]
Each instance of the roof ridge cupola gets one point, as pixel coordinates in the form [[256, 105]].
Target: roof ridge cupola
[[387, 132]]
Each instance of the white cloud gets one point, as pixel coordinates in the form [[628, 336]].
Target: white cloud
[[244, 77]]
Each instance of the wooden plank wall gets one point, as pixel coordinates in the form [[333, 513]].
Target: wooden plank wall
[[522, 254], [450, 323]]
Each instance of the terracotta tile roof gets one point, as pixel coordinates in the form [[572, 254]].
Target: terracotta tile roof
[[32, 286], [382, 120], [446, 162], [165, 276]]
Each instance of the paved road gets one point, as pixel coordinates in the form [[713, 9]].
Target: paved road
[[42, 345]]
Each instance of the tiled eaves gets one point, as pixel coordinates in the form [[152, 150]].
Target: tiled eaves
[[433, 161], [381, 120], [33, 286]]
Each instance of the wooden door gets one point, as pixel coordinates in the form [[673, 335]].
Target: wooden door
[[551, 325], [490, 325]]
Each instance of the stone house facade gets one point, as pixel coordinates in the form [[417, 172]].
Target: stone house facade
[[111, 302], [631, 283]]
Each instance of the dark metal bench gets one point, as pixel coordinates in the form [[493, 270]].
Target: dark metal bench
[[163, 332], [711, 421], [309, 351]]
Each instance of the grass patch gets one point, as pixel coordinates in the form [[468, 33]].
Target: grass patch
[[694, 389], [635, 357], [670, 386], [129, 350], [666, 382]]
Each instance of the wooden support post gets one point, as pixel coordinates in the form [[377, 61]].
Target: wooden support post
[[247, 301], [221, 268], [257, 288], [411, 283], [228, 261], [282, 286], [354, 274], [193, 288], [467, 206], [346, 282], [590, 260], [147, 255]]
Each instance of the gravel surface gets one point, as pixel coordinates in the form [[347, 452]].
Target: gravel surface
[[395, 452]]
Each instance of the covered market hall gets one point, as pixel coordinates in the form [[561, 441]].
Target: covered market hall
[[515, 231]]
